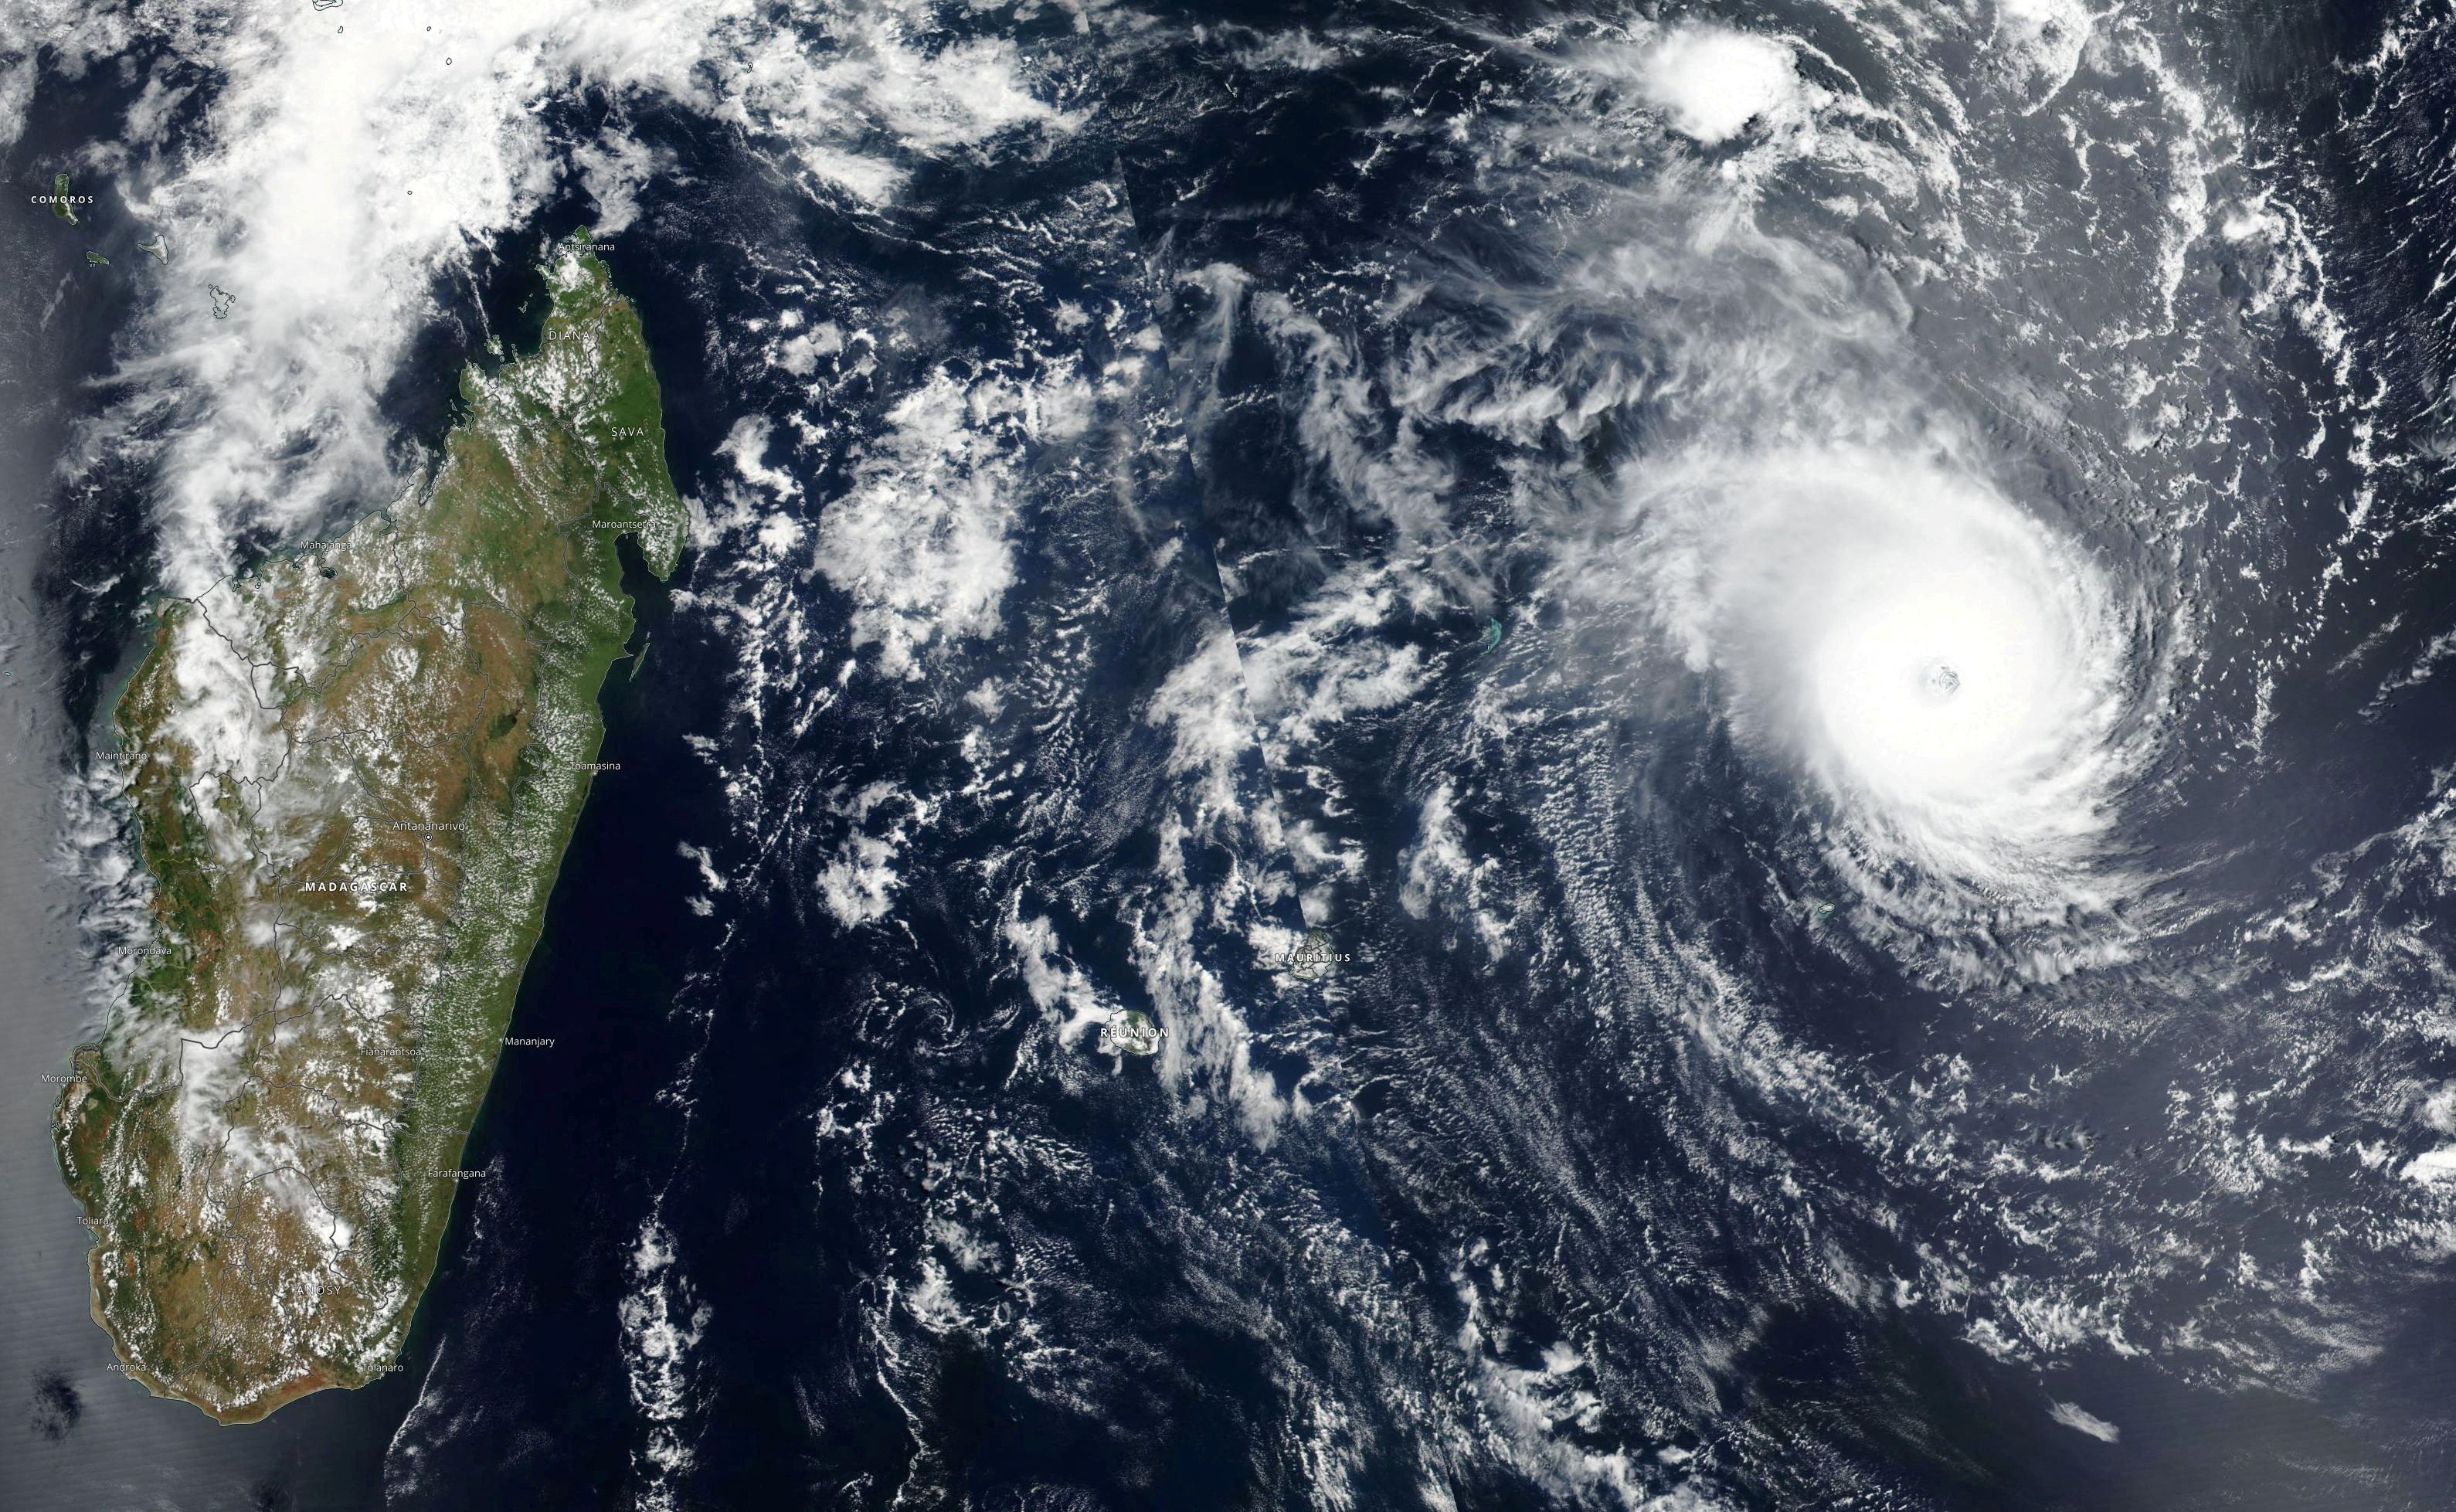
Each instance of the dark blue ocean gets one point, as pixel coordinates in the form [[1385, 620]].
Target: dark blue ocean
[[1289, 477]]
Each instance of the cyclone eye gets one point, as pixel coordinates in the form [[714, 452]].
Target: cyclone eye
[[1939, 682]]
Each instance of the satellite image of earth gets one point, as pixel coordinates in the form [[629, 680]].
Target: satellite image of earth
[[1064, 755]]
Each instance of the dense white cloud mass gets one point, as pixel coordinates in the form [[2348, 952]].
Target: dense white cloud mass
[[1712, 82], [1944, 668], [346, 160]]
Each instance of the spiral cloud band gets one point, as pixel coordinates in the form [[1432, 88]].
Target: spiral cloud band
[[1948, 674]]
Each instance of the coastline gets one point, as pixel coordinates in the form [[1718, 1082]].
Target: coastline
[[472, 970]]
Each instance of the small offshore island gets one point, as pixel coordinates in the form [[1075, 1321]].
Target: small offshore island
[[352, 771]]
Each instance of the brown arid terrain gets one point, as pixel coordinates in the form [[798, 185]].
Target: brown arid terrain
[[352, 771]]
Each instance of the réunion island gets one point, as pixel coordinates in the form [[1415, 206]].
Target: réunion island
[[352, 771]]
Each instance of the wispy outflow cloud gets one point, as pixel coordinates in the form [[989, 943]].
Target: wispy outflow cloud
[[1950, 674], [1944, 586], [324, 181], [344, 164], [2081, 1420], [63, 37], [335, 176]]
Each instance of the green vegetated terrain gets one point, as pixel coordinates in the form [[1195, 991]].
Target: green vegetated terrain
[[352, 771]]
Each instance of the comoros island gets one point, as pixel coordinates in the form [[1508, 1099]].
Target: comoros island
[[352, 771]]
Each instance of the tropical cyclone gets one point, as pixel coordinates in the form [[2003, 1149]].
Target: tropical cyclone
[[353, 771]]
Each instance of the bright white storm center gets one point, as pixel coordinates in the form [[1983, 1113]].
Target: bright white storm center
[[1950, 673]]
